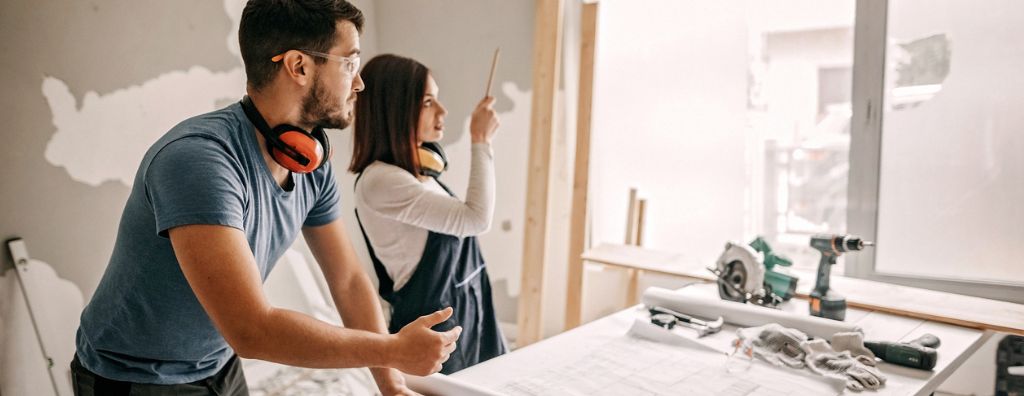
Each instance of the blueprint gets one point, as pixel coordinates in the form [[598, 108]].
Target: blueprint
[[638, 365]]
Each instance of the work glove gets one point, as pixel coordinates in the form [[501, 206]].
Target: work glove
[[822, 359], [774, 344], [854, 343]]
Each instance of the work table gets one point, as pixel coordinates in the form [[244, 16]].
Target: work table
[[958, 344]]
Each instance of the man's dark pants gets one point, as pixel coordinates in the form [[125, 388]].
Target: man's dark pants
[[230, 380]]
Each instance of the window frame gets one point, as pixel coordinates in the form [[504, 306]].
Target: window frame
[[870, 34]]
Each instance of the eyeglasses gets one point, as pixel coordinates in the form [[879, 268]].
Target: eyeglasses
[[350, 64], [741, 363]]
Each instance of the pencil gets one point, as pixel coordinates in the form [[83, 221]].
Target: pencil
[[494, 66]]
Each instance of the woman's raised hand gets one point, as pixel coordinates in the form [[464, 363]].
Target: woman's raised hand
[[484, 123]]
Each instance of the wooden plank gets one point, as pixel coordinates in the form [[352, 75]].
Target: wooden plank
[[631, 218], [937, 306], [581, 169], [666, 263], [632, 294], [546, 59], [641, 218]]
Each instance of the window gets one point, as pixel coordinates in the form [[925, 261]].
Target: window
[[899, 121], [943, 166], [749, 105]]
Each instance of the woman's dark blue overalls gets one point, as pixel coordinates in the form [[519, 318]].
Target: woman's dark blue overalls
[[452, 273]]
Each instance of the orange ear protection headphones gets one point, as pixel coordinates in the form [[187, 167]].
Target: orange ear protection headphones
[[433, 161], [294, 148]]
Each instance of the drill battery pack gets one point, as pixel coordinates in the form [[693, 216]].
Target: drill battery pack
[[830, 305]]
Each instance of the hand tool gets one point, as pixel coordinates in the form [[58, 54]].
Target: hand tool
[[494, 66], [702, 327]]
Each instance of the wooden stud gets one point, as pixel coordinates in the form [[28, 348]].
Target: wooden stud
[[641, 219], [631, 218], [581, 169], [546, 59], [632, 297]]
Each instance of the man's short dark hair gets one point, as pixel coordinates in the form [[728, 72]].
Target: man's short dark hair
[[272, 27]]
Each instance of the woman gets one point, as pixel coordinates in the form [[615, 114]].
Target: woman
[[420, 235]]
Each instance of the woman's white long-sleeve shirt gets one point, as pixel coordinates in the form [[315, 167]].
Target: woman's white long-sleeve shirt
[[398, 210]]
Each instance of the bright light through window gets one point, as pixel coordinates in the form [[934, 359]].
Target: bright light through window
[[952, 164], [731, 118]]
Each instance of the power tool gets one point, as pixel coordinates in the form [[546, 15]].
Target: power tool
[[824, 302], [1009, 365], [748, 273], [741, 276], [778, 283], [919, 353]]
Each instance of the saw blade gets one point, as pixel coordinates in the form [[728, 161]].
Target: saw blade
[[732, 281]]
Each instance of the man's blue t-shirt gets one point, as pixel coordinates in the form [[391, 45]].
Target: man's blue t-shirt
[[144, 323]]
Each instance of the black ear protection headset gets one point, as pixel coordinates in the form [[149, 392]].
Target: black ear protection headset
[[433, 161], [293, 147]]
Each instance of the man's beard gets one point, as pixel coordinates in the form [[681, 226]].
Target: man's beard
[[317, 109]]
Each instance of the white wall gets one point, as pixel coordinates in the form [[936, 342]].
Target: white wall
[[456, 40], [666, 108]]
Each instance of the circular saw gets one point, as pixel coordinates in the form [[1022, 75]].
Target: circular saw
[[741, 273]]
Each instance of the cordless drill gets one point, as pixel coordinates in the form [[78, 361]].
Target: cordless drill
[[824, 302], [919, 353]]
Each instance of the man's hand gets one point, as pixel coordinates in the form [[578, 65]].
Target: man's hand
[[418, 350], [390, 382], [398, 390]]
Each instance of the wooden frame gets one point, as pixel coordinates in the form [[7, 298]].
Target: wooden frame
[[546, 62], [581, 170]]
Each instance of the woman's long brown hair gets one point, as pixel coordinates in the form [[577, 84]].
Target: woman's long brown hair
[[387, 113]]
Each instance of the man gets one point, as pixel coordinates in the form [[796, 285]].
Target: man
[[216, 201]]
